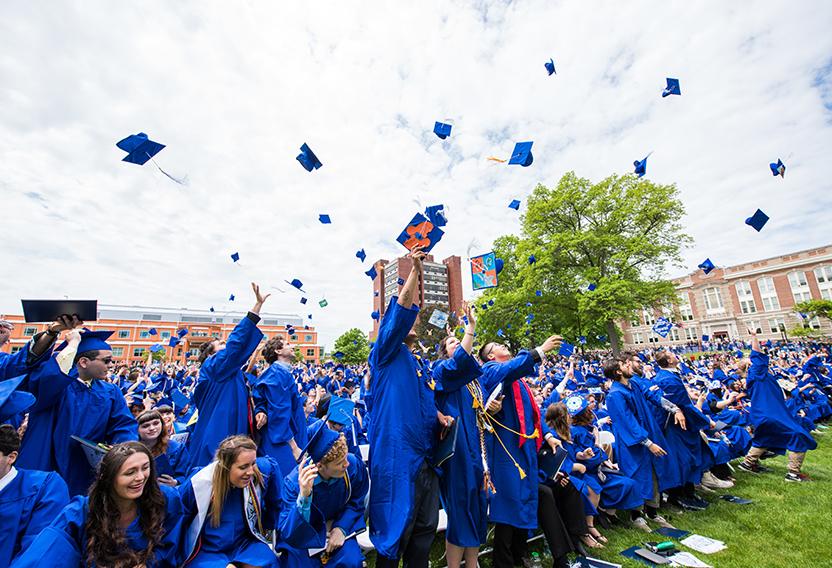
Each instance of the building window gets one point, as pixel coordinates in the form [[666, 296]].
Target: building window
[[310, 352], [29, 331], [118, 351], [16, 348], [637, 338], [798, 279], [771, 304], [165, 335], [674, 334], [755, 324], [293, 338], [138, 352], [144, 334], [823, 274], [123, 334], [802, 297], [690, 334], [652, 337], [193, 352], [776, 324], [743, 288], [713, 298], [215, 334], [307, 338], [649, 317], [814, 323], [748, 306], [765, 285]]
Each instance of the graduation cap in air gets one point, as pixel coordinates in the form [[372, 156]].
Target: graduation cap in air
[[442, 129], [641, 166], [372, 273], [174, 341], [757, 220], [182, 332], [309, 316], [295, 283], [672, 88], [235, 257], [420, 231], [323, 303], [340, 410], [152, 331], [500, 333], [376, 293], [140, 149], [778, 169], [566, 350], [550, 67], [705, 338], [324, 219], [13, 402], [707, 266], [591, 287], [361, 255], [338, 355], [39, 311], [436, 215], [375, 315], [401, 281], [582, 339], [212, 309], [308, 159], [532, 260], [231, 298], [303, 300], [538, 293], [321, 440], [155, 348], [515, 204], [522, 154]]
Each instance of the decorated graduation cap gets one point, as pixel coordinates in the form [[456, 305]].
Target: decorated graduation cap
[[484, 271], [321, 440], [361, 255], [442, 129], [576, 404], [420, 231], [778, 169], [303, 300], [641, 166], [323, 303], [550, 67], [324, 219], [515, 204], [757, 220], [295, 283], [13, 402], [340, 410], [672, 88], [436, 215], [140, 149], [372, 273], [707, 266], [308, 159]]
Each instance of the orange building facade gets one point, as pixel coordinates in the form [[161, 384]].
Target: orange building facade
[[131, 327]]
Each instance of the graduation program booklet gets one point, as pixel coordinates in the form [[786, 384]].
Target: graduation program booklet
[[550, 462], [446, 446]]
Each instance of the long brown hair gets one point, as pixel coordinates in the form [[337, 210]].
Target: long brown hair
[[161, 445], [225, 457], [557, 417], [106, 542]]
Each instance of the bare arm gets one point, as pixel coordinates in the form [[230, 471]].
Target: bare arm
[[468, 341], [409, 290], [755, 342]]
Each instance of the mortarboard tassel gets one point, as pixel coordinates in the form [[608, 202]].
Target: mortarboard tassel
[[181, 181]]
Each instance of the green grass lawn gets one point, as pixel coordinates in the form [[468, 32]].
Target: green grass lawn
[[789, 524]]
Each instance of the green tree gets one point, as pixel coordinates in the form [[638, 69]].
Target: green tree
[[354, 345], [429, 334], [811, 309], [617, 234]]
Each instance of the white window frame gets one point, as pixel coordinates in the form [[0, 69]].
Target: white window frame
[[718, 297]]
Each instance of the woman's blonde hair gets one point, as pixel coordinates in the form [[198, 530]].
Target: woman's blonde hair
[[336, 453], [226, 456]]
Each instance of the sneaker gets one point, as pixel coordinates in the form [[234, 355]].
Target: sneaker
[[659, 520], [640, 523], [750, 468], [767, 454], [821, 427], [764, 469], [712, 481], [796, 477]]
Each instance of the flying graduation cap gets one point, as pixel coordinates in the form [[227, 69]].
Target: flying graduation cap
[[303, 300], [778, 169], [672, 88], [235, 257], [231, 298], [550, 67], [757, 220], [375, 315], [295, 283], [641, 166], [361, 255], [308, 159], [514, 205], [707, 266], [372, 273], [436, 215], [140, 149], [420, 231], [442, 129], [324, 219], [532, 260], [522, 155]]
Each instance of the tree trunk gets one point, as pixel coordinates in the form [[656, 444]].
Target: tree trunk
[[612, 333]]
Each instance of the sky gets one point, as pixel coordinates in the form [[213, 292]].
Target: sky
[[233, 89]]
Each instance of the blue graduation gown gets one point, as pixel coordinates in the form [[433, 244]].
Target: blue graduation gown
[[402, 434], [632, 423], [177, 455], [63, 543], [693, 453], [515, 500], [28, 505], [276, 395], [221, 394], [65, 406], [340, 501], [774, 426], [463, 495], [617, 491]]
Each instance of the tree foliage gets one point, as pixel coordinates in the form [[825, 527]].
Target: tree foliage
[[354, 345], [617, 234], [428, 334]]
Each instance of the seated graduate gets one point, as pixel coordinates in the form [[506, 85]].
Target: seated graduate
[[230, 505], [74, 398], [29, 500], [323, 504], [221, 393], [172, 455], [128, 520]]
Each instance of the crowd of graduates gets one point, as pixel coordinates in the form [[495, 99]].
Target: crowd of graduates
[[223, 463]]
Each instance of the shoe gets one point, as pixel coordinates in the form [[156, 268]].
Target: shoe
[[767, 454], [816, 432], [703, 489], [640, 523], [756, 468], [821, 427], [797, 477], [659, 520], [710, 480], [764, 469]]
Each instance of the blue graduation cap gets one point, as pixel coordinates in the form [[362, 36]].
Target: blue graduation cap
[[420, 231], [324, 219], [361, 255], [235, 257], [582, 339], [91, 341], [514, 205], [757, 220], [174, 341], [180, 399], [321, 440], [295, 283], [13, 402], [309, 316], [212, 309], [662, 327], [705, 338], [231, 298], [340, 410], [522, 154], [500, 333], [401, 281], [566, 350], [155, 348], [308, 159], [182, 332], [538, 293], [778, 169], [442, 130], [436, 215], [164, 401], [641, 166], [591, 287], [152, 331], [303, 300], [707, 266], [532, 260], [139, 148], [672, 88], [376, 293], [576, 404], [372, 273], [375, 315], [550, 67], [338, 355]]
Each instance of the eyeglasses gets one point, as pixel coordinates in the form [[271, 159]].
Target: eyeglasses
[[105, 360], [493, 345]]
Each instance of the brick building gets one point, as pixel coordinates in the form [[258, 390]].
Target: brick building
[[761, 294], [131, 327], [439, 283]]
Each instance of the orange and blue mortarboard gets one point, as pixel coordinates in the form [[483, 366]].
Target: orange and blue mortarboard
[[420, 231], [308, 159], [515, 204], [672, 88], [757, 220], [442, 130], [550, 67], [707, 266], [303, 300], [778, 169], [361, 255]]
